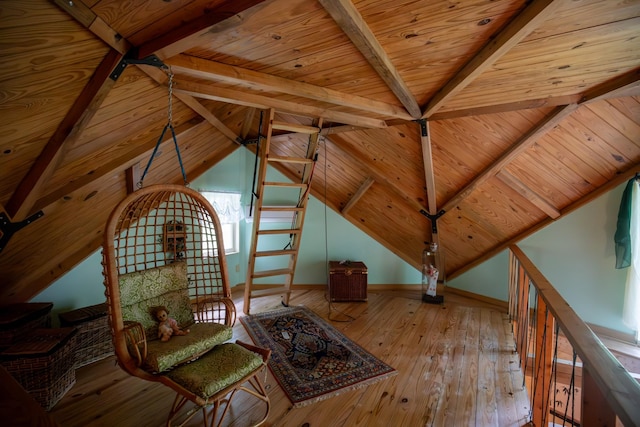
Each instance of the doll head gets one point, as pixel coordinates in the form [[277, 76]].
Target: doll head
[[161, 313]]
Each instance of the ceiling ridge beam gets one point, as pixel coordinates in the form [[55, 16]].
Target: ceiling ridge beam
[[526, 141], [520, 27], [74, 122], [351, 22], [211, 70], [232, 96]]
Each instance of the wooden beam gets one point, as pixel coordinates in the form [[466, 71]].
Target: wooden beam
[[520, 27], [427, 161], [354, 199], [618, 180], [349, 19], [528, 193], [231, 96], [503, 108], [210, 70], [620, 86], [161, 78], [526, 141], [88, 19], [117, 164], [81, 112], [195, 32], [132, 177]]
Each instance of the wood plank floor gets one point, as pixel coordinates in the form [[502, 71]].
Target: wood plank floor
[[456, 367]]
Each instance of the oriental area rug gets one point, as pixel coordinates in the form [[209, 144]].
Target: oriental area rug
[[311, 360]]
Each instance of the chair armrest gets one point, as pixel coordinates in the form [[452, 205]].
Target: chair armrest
[[210, 309], [136, 341], [264, 352]]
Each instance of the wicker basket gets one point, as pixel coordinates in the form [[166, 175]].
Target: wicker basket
[[94, 336], [17, 320], [43, 363]]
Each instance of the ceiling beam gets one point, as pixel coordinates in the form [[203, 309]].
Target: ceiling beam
[[354, 199], [505, 108], [520, 27], [603, 189], [528, 193], [619, 86], [192, 33], [74, 122], [210, 70], [232, 96], [116, 164], [162, 79], [427, 161], [526, 141], [349, 19]]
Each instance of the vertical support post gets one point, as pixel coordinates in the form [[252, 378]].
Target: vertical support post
[[543, 363]]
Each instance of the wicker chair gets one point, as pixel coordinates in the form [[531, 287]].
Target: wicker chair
[[163, 247]]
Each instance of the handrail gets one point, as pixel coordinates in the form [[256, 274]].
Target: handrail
[[620, 390]]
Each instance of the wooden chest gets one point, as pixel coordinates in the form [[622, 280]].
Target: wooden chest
[[347, 281]]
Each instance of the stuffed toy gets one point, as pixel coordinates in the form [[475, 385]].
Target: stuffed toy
[[167, 326]]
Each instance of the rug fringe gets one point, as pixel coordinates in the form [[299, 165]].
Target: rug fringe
[[359, 385]]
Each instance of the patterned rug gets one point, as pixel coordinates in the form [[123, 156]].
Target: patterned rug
[[310, 359]]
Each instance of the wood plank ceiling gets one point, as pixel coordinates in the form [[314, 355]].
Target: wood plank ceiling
[[495, 116]]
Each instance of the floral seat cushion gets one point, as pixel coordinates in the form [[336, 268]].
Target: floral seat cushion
[[221, 367]]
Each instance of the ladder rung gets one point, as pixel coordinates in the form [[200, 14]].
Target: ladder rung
[[294, 127], [281, 231], [276, 252], [281, 209], [270, 291], [286, 184], [283, 159], [270, 273]]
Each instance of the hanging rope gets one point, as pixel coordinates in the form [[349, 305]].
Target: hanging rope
[[169, 125]]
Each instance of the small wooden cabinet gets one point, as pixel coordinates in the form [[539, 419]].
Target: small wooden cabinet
[[347, 281]]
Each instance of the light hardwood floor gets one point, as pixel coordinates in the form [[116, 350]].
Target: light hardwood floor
[[456, 367]]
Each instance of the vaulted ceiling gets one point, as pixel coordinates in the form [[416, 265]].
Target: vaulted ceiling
[[481, 121]]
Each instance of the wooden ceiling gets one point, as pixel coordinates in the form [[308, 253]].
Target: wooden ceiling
[[497, 117]]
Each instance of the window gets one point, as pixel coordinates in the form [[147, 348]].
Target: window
[[229, 210]]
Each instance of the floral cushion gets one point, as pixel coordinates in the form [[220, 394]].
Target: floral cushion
[[142, 291], [163, 355], [221, 367]]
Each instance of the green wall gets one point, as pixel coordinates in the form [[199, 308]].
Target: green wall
[[575, 253]]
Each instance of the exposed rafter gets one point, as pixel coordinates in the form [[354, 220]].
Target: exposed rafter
[[204, 69], [354, 199], [528, 20], [232, 96], [354, 26], [95, 91]]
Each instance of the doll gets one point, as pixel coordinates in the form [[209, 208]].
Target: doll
[[167, 326]]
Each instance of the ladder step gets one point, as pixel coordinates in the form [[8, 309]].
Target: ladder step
[[270, 291], [281, 209], [286, 184], [281, 231], [277, 252], [270, 273], [294, 127], [283, 159]]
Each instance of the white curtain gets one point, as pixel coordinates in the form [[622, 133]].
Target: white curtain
[[631, 310], [227, 206]]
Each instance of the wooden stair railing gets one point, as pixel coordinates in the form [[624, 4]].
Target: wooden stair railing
[[260, 242], [602, 393]]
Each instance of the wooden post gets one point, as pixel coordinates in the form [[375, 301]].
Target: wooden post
[[543, 363]]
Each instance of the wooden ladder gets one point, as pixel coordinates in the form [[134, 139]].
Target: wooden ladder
[[288, 254]]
